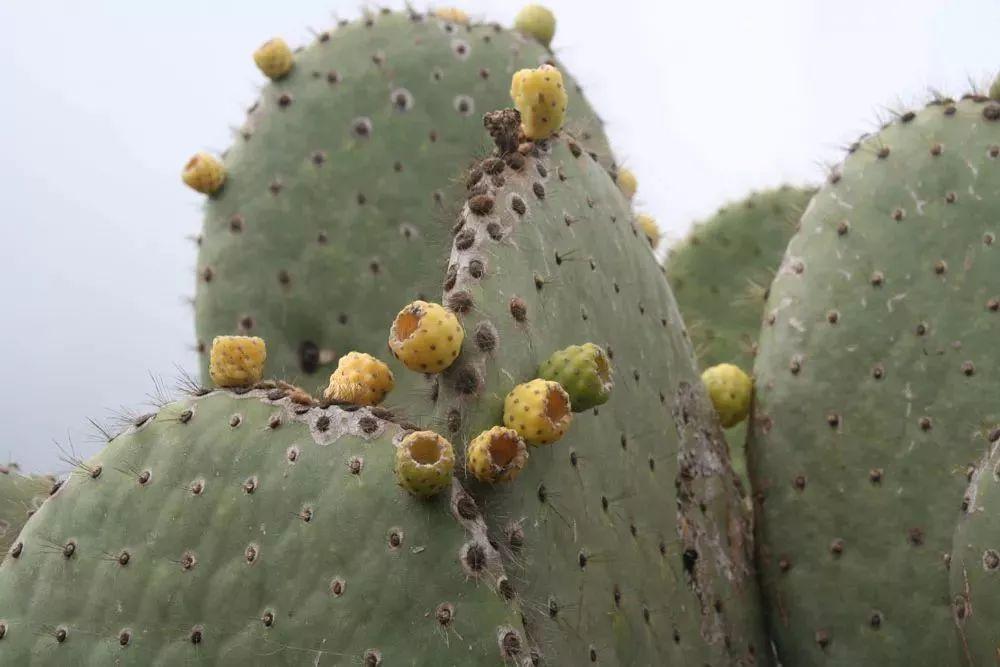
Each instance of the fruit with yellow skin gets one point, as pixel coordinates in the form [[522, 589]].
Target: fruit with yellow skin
[[730, 390], [627, 182], [538, 410], [424, 463], [496, 455], [204, 172], [237, 361], [452, 15], [426, 337], [538, 22], [360, 379], [541, 98], [274, 58], [647, 225]]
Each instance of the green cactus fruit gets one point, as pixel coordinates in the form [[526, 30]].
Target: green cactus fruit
[[720, 275], [337, 204], [248, 529], [20, 497], [629, 533], [584, 372], [975, 563], [875, 388]]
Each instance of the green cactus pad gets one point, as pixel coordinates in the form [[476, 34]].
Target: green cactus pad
[[720, 275], [975, 564], [251, 530], [628, 533], [876, 387], [340, 188], [20, 497], [583, 371]]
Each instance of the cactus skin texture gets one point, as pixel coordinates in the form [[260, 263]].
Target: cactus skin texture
[[584, 372], [248, 529], [628, 530], [336, 210], [975, 563], [876, 387], [20, 496], [720, 275]]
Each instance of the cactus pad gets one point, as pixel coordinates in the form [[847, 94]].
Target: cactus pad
[[342, 184], [875, 389], [20, 497], [250, 529], [629, 533]]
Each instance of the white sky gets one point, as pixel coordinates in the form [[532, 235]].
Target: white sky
[[104, 100]]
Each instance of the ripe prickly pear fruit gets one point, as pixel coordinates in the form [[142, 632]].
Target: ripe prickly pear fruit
[[424, 463], [452, 15], [538, 410], [538, 22], [426, 337], [237, 361], [627, 182], [583, 371], [496, 455], [204, 172], [647, 225], [360, 379], [274, 58], [540, 96], [730, 390]]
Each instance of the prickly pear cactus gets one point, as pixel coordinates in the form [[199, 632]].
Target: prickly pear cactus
[[628, 534], [975, 563], [20, 497], [250, 529], [721, 272], [875, 389], [341, 183], [720, 275]]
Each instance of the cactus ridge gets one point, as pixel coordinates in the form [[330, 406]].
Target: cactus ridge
[[876, 388]]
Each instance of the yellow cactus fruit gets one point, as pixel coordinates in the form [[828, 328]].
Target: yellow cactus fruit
[[452, 15], [424, 463], [237, 361], [204, 172], [730, 390], [496, 455], [538, 410], [426, 337], [627, 182], [274, 58], [647, 225], [360, 379], [541, 98], [538, 22]]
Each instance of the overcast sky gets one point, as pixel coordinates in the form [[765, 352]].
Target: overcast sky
[[105, 99]]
